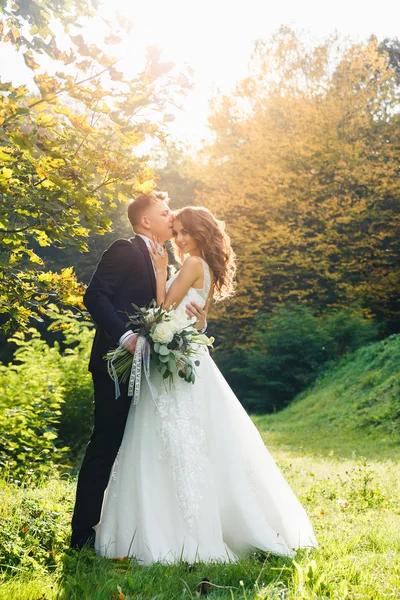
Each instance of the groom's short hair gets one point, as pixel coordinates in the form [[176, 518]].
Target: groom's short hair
[[141, 203]]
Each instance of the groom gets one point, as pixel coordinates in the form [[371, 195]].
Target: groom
[[124, 275]]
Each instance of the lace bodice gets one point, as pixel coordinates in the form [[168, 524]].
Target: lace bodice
[[198, 295]]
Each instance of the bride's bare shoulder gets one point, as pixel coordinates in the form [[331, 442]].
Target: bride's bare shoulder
[[192, 262]]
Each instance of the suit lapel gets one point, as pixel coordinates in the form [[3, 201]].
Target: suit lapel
[[142, 245]]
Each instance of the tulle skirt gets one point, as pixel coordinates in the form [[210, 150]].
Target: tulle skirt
[[194, 481]]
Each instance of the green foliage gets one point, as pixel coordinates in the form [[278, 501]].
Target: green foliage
[[391, 48], [302, 167], [291, 346], [76, 419], [352, 502], [362, 490], [46, 401], [55, 259], [353, 407], [346, 330], [354, 506], [32, 394], [175, 172], [67, 149], [172, 168], [289, 349], [35, 523]]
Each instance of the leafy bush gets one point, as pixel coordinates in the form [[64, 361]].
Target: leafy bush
[[46, 401], [76, 417], [291, 346], [347, 330], [31, 393]]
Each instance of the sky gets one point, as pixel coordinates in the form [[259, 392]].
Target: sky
[[216, 38]]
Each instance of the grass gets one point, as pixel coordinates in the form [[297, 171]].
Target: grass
[[332, 453], [352, 410]]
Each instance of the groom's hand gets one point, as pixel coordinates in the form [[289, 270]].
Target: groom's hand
[[131, 346], [194, 310], [129, 341]]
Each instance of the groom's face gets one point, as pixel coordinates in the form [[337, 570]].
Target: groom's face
[[159, 218]]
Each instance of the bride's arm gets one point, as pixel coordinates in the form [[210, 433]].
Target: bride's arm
[[190, 272]]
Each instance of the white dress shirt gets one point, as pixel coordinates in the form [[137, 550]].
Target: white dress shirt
[[147, 240]]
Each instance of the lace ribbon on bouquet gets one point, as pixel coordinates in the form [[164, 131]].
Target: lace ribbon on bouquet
[[141, 358]]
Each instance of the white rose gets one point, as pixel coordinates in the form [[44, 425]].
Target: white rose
[[162, 333], [177, 323]]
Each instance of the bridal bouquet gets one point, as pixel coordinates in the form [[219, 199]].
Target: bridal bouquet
[[167, 339]]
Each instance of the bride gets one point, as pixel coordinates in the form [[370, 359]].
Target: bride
[[193, 479]]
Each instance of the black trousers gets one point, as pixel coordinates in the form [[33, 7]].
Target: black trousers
[[110, 416]]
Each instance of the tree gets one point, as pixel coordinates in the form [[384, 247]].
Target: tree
[[69, 151], [172, 169], [175, 173], [391, 48], [304, 170]]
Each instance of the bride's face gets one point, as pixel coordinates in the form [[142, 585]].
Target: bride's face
[[182, 238]]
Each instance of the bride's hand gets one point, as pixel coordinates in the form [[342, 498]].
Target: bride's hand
[[160, 261], [194, 310]]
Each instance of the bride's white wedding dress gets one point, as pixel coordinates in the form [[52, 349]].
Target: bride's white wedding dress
[[193, 479]]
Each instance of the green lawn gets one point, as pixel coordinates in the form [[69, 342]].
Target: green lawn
[[352, 410], [338, 447]]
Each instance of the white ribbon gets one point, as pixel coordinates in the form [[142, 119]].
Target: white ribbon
[[112, 372], [141, 358]]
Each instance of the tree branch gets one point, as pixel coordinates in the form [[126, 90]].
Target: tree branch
[[16, 230], [103, 184], [51, 96]]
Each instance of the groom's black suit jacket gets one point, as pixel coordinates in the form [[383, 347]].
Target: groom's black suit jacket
[[124, 275]]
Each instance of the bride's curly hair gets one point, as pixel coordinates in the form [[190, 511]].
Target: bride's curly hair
[[214, 244]]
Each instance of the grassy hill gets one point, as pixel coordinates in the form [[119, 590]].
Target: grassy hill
[[352, 410], [338, 447]]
